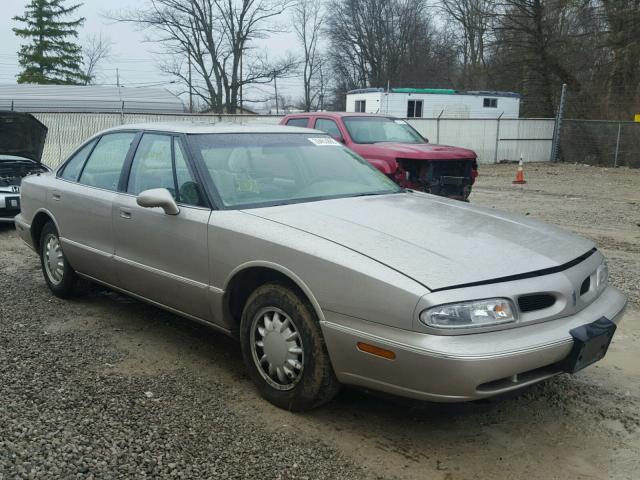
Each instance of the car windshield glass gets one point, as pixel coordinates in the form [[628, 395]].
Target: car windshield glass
[[381, 129], [271, 169]]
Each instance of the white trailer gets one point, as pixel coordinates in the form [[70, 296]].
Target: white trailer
[[434, 103]]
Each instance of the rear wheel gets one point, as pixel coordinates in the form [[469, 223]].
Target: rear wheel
[[284, 350], [58, 274]]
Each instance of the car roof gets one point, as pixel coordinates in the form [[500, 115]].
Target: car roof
[[336, 115], [195, 128]]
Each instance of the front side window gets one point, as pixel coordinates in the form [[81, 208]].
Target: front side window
[[298, 122], [159, 162], [104, 166], [414, 109], [381, 129], [328, 126], [267, 169], [152, 165], [73, 167]]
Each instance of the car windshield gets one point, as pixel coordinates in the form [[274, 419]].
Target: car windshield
[[271, 169], [381, 129]]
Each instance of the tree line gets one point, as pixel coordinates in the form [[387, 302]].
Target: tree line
[[213, 49]]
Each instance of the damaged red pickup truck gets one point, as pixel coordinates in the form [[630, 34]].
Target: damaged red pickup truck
[[398, 150]]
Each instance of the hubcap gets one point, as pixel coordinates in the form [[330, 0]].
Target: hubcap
[[276, 348], [53, 259]]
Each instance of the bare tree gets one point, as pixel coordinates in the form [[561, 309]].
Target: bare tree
[[308, 19], [374, 42], [473, 19], [213, 38], [95, 50]]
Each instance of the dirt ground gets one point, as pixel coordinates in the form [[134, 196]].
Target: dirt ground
[[582, 427]]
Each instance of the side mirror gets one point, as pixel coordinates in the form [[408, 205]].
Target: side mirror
[[338, 138], [158, 197]]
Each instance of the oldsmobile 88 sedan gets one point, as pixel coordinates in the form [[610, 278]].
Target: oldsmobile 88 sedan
[[326, 271]]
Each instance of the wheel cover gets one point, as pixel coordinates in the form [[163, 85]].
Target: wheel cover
[[276, 348], [53, 259]]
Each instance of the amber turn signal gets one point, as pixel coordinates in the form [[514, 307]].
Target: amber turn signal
[[373, 350]]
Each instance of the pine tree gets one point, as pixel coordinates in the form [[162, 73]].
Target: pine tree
[[50, 57]]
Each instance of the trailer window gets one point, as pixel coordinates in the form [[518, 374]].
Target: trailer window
[[490, 103], [361, 106], [414, 109]]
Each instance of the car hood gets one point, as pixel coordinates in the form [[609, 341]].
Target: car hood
[[427, 151], [439, 243], [22, 135]]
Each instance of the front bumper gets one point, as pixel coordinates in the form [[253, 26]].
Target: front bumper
[[457, 367]]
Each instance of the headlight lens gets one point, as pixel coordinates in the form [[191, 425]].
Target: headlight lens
[[602, 276], [477, 313]]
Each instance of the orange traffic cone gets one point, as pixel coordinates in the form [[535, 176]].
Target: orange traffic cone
[[520, 174]]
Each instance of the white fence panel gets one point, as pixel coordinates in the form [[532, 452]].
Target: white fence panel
[[529, 137], [68, 130]]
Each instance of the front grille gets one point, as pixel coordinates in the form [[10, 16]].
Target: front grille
[[584, 288], [538, 301]]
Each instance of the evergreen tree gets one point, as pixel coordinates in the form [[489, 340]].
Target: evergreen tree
[[50, 56]]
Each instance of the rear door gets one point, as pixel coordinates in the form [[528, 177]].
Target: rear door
[[161, 257], [81, 203]]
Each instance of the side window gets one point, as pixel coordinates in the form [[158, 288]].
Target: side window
[[490, 103], [72, 168], [414, 109], [189, 191], [328, 126], [152, 165], [361, 106], [104, 167], [298, 122]]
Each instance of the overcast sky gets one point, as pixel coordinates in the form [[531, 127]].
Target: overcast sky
[[135, 59]]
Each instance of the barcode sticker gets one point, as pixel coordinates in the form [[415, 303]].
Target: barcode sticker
[[324, 141]]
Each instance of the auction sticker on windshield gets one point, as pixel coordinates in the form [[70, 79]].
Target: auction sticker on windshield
[[324, 141]]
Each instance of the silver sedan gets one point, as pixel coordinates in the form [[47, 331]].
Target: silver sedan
[[326, 271]]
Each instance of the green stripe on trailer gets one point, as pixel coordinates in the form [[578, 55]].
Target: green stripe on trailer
[[440, 91]]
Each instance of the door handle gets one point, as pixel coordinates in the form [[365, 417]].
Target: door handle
[[125, 213], [56, 196]]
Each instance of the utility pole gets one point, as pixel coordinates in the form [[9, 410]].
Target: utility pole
[[275, 85], [241, 82], [190, 84]]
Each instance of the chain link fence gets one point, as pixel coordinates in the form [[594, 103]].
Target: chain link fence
[[600, 142]]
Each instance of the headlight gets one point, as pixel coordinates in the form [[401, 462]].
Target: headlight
[[477, 313], [602, 276]]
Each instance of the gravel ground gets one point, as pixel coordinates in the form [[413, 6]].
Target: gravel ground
[[103, 386]]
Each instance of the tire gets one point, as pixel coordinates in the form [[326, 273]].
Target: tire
[[295, 327], [59, 278]]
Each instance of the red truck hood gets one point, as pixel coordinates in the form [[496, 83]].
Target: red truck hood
[[423, 151]]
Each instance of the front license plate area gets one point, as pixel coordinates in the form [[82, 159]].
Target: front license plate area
[[590, 344]]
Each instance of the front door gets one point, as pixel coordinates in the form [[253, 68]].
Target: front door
[[161, 257]]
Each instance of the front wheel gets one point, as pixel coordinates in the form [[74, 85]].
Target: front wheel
[[58, 274], [284, 350]]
